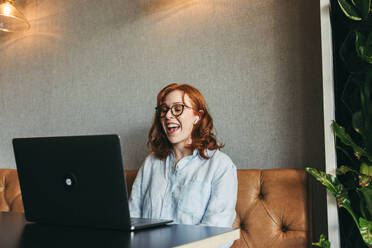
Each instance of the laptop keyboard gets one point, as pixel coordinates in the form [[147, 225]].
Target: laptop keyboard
[[141, 221], [138, 221]]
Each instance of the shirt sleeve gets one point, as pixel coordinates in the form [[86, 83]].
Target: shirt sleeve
[[136, 196], [221, 206]]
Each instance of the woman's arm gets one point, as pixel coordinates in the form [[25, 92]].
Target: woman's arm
[[136, 196], [221, 206]]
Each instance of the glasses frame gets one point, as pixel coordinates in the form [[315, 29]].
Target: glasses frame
[[171, 109]]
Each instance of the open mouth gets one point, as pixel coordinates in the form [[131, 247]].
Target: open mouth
[[172, 128]]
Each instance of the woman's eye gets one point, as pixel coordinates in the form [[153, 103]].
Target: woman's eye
[[177, 108]]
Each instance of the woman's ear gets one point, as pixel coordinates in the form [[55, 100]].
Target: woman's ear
[[200, 114], [196, 120]]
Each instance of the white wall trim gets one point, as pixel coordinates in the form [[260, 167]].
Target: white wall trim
[[329, 115]]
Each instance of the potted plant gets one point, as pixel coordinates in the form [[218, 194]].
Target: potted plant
[[352, 186]]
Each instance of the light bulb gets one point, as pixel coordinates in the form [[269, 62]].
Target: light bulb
[[11, 20], [7, 9]]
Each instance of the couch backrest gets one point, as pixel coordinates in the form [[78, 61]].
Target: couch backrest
[[10, 192], [272, 207]]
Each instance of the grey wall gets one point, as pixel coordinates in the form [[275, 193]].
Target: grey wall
[[95, 66]]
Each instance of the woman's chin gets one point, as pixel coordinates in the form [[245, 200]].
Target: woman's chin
[[176, 141]]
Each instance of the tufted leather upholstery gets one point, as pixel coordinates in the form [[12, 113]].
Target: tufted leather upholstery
[[10, 193], [272, 208]]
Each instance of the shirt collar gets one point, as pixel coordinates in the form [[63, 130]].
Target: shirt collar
[[193, 155], [183, 160]]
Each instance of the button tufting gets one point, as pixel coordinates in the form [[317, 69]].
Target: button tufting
[[242, 226], [284, 229], [261, 196]]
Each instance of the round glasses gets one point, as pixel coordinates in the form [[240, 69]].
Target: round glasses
[[176, 110]]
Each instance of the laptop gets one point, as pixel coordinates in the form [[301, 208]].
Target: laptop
[[75, 181]]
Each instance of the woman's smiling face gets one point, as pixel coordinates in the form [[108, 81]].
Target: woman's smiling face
[[179, 128]]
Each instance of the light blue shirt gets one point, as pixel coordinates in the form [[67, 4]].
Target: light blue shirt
[[196, 191]]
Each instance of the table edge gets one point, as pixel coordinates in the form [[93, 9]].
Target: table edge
[[214, 241]]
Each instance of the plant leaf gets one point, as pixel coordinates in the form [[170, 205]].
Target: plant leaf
[[367, 96], [369, 39], [336, 188], [323, 243], [366, 230], [347, 140], [347, 155], [363, 7], [357, 123], [362, 48], [333, 186], [349, 10], [366, 105], [343, 169], [365, 195], [349, 55]]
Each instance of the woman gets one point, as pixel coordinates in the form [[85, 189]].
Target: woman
[[185, 178]]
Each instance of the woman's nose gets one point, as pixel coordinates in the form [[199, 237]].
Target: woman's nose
[[169, 114]]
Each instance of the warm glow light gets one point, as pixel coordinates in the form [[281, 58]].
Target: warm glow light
[[7, 9], [11, 20]]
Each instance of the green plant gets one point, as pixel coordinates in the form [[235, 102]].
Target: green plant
[[337, 189], [352, 186], [323, 243]]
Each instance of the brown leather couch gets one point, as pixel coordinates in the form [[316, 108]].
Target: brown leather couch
[[272, 208], [10, 193]]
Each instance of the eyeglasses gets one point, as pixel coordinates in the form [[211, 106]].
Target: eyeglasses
[[176, 110]]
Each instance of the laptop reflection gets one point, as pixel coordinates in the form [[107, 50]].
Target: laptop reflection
[[39, 235]]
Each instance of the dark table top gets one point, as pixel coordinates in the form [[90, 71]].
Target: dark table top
[[15, 232]]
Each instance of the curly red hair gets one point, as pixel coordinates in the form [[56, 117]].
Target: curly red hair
[[202, 135]]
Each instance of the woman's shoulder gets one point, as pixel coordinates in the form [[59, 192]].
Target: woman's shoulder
[[221, 166], [152, 161], [220, 159]]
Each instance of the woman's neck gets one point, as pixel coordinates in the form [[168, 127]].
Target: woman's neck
[[180, 151]]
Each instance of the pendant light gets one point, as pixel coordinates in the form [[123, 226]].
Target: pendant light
[[11, 20]]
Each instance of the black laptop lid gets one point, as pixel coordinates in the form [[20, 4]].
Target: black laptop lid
[[74, 180]]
